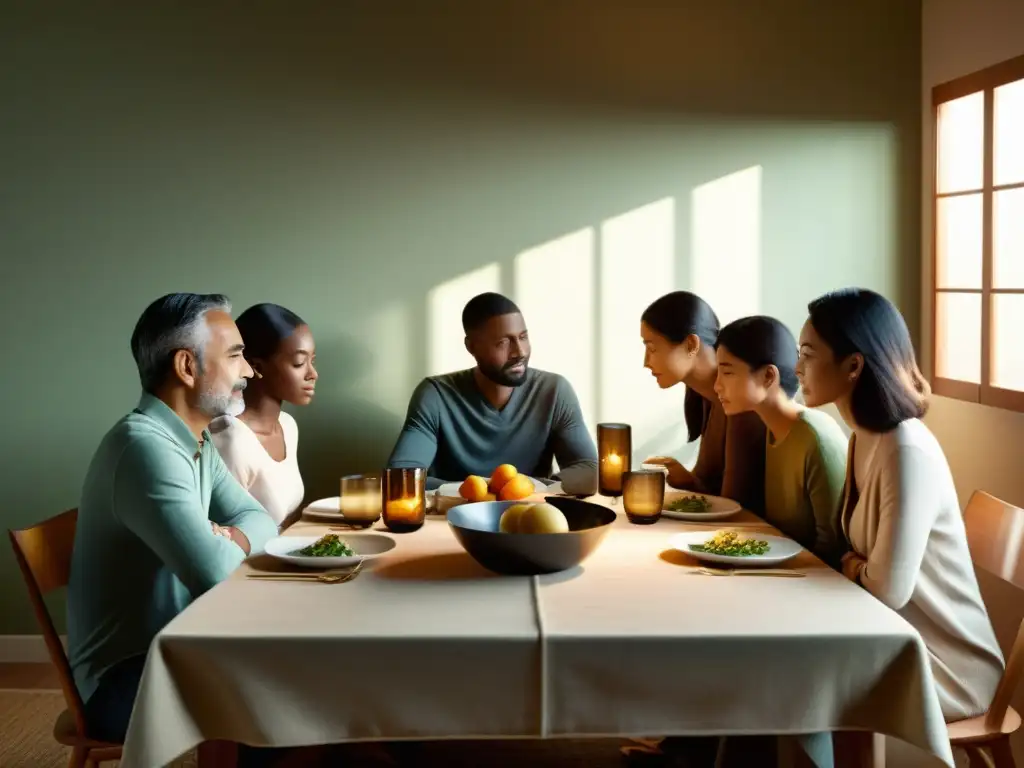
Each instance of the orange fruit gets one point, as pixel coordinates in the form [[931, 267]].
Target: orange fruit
[[489, 497], [501, 476], [519, 487], [474, 488]]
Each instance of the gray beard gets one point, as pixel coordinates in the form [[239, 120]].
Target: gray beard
[[221, 405]]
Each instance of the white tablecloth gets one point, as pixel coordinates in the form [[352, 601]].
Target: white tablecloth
[[426, 644]]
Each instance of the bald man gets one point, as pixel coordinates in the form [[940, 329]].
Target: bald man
[[499, 412]]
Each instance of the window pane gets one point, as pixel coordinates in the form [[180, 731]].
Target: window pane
[[1007, 351], [958, 333], [958, 241], [1008, 238], [960, 143], [1008, 128]]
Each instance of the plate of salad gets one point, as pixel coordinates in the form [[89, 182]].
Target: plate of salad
[[329, 551], [686, 505], [736, 547]]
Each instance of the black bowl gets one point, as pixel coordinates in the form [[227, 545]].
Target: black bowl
[[529, 554]]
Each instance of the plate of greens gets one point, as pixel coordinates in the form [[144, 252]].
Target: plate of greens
[[329, 551], [685, 505], [736, 547]]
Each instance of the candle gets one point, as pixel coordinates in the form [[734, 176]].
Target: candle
[[404, 497], [614, 447], [404, 510], [611, 472]]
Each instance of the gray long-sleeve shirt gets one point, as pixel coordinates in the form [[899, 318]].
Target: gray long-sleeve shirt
[[452, 429]]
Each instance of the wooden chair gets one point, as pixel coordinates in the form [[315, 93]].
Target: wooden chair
[[995, 534], [43, 553]]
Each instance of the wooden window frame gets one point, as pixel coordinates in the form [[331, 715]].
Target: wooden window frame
[[986, 81]]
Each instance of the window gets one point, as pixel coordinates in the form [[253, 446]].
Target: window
[[978, 245]]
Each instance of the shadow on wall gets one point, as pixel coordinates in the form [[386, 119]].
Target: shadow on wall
[[326, 450]]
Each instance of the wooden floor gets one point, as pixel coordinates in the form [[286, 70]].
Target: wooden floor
[[28, 677]]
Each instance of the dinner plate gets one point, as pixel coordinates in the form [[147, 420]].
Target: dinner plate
[[720, 508], [325, 509], [451, 490], [779, 549], [365, 545]]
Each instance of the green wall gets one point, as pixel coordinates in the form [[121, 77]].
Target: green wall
[[343, 164]]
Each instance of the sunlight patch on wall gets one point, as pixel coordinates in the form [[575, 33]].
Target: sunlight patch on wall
[[725, 245], [444, 311], [637, 266], [554, 287]]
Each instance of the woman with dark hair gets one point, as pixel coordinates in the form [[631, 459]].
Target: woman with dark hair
[[900, 513], [679, 331], [259, 446], [805, 453]]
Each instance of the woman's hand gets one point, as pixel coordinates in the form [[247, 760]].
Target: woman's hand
[[678, 475], [853, 564]]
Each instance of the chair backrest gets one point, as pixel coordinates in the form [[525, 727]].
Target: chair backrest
[[995, 535], [43, 553]]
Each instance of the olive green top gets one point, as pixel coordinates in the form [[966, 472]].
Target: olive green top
[[804, 476]]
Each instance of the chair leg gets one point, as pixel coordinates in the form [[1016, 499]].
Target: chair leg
[[978, 757], [79, 755], [1002, 753]]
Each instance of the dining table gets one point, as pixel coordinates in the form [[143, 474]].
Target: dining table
[[636, 641]]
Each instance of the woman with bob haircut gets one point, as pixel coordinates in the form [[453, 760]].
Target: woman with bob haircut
[[900, 515]]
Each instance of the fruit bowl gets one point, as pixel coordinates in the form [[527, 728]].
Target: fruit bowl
[[527, 554]]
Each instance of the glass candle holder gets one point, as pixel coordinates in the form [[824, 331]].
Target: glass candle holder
[[361, 499], [614, 448], [643, 495], [403, 498]]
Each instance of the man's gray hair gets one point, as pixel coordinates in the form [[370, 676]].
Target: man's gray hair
[[172, 322]]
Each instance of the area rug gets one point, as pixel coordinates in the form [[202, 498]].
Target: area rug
[[26, 722]]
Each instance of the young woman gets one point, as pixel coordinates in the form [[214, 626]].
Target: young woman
[[259, 446], [805, 457], [900, 513], [679, 331]]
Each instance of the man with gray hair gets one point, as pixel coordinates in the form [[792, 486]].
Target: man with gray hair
[[161, 520]]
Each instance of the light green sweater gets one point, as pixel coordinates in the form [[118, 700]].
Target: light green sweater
[[804, 476], [144, 548]]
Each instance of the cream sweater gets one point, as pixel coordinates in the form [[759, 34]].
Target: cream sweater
[[277, 485], [901, 513]]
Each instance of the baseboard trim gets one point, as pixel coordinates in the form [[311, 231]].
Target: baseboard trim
[[25, 649]]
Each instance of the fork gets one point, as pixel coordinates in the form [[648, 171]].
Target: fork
[[327, 577], [705, 570]]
